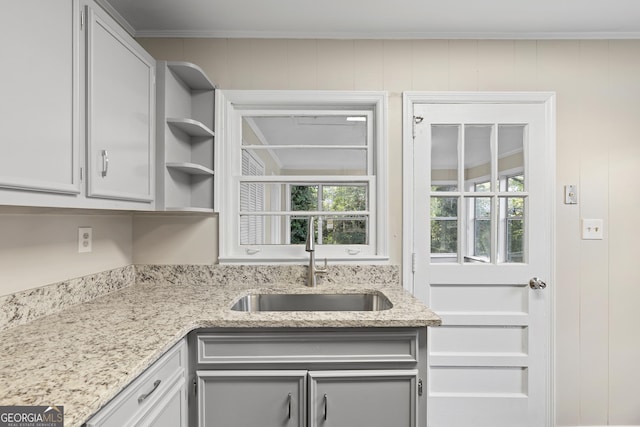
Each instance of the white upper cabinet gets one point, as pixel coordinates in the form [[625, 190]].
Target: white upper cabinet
[[77, 109], [39, 143], [120, 112]]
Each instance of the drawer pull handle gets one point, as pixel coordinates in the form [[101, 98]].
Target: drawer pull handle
[[143, 397], [289, 407], [326, 408], [105, 163]]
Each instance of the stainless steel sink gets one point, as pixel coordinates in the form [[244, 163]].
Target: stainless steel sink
[[374, 301]]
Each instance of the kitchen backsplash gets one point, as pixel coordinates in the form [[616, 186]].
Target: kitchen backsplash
[[23, 307], [266, 274]]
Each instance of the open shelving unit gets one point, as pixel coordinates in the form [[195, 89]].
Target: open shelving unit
[[185, 103]]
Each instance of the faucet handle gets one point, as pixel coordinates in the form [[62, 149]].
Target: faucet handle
[[322, 270]]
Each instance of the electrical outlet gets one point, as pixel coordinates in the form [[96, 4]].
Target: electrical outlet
[[85, 239]]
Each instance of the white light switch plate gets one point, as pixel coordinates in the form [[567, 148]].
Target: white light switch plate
[[592, 229]]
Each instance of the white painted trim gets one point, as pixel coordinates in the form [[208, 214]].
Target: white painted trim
[[104, 4], [410, 98], [420, 35]]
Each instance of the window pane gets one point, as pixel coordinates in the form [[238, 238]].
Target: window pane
[[344, 230], [511, 156], [479, 230], [298, 229], [477, 156], [444, 229], [276, 229], [515, 183], [343, 198], [482, 186], [332, 129], [444, 187], [444, 157], [513, 235], [298, 161], [293, 144], [252, 230], [304, 198]]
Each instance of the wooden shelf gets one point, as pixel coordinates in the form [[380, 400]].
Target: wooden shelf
[[192, 75], [190, 127], [190, 168]]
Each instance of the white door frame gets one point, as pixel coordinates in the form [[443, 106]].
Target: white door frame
[[409, 99]]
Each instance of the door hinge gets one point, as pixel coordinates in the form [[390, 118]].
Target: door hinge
[[81, 174], [416, 121], [413, 262], [195, 387], [419, 387], [81, 20]]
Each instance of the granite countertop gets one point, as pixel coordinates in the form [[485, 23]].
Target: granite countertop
[[84, 355]]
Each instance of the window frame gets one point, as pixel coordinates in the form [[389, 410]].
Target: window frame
[[232, 106]]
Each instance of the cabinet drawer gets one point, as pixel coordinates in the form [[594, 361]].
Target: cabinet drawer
[[140, 395], [397, 346]]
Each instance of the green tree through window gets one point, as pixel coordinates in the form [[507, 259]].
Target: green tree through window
[[336, 229]]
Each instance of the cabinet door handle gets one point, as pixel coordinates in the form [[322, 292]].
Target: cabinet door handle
[[105, 162], [326, 407], [289, 407], [143, 397]]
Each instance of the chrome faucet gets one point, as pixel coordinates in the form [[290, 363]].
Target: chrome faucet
[[313, 271]]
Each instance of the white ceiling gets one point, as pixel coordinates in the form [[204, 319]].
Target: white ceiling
[[494, 19]]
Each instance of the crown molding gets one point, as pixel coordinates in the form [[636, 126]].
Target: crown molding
[[389, 35]]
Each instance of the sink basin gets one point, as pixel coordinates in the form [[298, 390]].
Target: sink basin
[[374, 301]]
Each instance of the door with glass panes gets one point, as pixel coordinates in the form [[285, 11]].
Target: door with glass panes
[[482, 201]]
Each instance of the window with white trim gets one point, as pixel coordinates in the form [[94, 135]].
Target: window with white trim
[[321, 155], [475, 221]]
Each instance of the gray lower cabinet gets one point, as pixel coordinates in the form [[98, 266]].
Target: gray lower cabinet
[[309, 378], [252, 398], [378, 398], [375, 398]]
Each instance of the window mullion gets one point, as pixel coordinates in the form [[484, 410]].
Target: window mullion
[[462, 219]]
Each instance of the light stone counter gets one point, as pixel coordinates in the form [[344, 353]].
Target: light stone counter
[[84, 355]]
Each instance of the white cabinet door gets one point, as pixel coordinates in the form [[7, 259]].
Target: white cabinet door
[[379, 398], [38, 102], [171, 410], [252, 398], [120, 113]]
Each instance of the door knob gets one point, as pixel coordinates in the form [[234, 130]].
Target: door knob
[[537, 283]]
